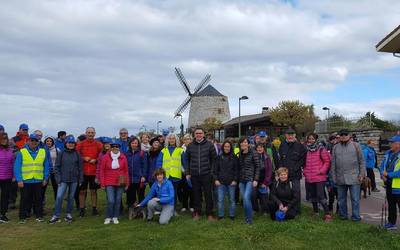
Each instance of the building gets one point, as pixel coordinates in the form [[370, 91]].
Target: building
[[391, 43], [251, 124]]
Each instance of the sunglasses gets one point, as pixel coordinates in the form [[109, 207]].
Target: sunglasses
[[34, 140], [114, 146], [344, 134]]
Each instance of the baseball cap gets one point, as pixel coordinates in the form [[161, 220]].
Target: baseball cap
[[395, 138], [24, 126]]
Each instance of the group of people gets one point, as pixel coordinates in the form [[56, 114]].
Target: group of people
[[190, 171]]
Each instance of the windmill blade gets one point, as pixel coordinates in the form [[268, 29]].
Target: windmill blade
[[182, 80], [203, 83], [183, 106]]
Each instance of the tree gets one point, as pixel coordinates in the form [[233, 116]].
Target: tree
[[211, 124], [296, 115], [370, 120]]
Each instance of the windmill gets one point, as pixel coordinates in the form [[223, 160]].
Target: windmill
[[186, 87]]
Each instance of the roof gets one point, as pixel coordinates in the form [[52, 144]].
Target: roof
[[391, 42], [209, 91], [247, 118]]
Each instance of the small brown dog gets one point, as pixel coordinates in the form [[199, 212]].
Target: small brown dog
[[366, 186], [137, 212]]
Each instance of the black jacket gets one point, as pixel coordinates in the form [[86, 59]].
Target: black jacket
[[292, 156], [226, 169], [68, 167], [249, 166], [200, 158], [283, 193]]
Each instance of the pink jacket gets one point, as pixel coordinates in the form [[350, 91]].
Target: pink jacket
[[317, 165]]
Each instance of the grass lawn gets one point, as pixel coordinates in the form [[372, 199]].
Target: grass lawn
[[183, 233]]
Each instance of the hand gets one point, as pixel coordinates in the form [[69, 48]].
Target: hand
[[217, 183], [93, 161], [126, 188], [44, 183], [360, 179], [155, 199], [20, 184], [263, 186], [96, 180], [385, 174], [281, 207], [285, 209], [142, 179], [103, 187], [137, 205], [188, 177], [234, 183], [87, 159], [255, 183]]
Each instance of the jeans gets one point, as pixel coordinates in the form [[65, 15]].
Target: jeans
[[222, 190], [355, 201], [114, 197], [60, 196], [166, 211], [246, 189]]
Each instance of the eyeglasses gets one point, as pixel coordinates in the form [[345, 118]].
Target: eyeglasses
[[114, 146], [199, 133], [34, 140], [344, 134]]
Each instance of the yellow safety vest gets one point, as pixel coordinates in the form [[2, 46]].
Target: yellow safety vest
[[236, 151], [396, 181], [172, 164], [32, 168]]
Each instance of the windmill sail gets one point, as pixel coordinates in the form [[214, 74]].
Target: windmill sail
[[203, 83], [183, 81], [183, 106]]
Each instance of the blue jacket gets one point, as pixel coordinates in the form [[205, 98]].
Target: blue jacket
[[369, 156], [152, 166], [18, 166], [124, 145], [165, 193], [390, 167], [137, 165], [59, 144]]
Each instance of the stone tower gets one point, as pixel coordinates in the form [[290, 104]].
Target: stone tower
[[209, 102]]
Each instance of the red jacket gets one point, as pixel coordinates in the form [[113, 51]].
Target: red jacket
[[92, 150], [317, 165], [109, 176], [20, 140]]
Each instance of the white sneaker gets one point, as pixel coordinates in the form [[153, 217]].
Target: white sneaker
[[115, 220], [157, 213], [191, 210], [107, 221], [183, 210]]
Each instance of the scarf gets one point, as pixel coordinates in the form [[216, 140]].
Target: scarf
[[313, 147], [115, 163], [146, 147]]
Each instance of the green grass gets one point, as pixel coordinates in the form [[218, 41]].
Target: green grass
[[183, 233]]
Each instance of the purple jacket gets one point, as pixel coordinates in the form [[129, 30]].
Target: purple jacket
[[7, 159]]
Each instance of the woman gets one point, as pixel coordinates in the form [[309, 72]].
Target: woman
[[114, 178], [249, 169], [145, 145], [53, 152], [160, 198], [68, 172], [226, 176], [184, 187], [106, 149], [315, 171], [6, 174], [283, 197], [153, 156], [171, 160], [137, 167]]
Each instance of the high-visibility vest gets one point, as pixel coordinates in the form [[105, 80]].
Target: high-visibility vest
[[172, 164], [396, 181], [32, 168]]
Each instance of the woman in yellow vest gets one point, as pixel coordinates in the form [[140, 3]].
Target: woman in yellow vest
[[171, 159]]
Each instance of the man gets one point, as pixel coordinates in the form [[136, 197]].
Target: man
[[39, 135], [89, 150], [124, 140], [370, 158], [292, 156], [390, 174], [60, 141], [200, 157], [22, 136], [31, 170], [348, 170]]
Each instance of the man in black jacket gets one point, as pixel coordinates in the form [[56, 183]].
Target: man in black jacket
[[292, 156], [201, 156]]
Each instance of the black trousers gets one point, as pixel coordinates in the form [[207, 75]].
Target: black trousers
[[297, 189], [317, 195], [176, 186], [54, 185], [31, 195], [259, 201], [333, 194], [5, 186], [393, 202], [203, 184], [187, 194], [134, 194], [13, 193], [371, 175], [273, 207]]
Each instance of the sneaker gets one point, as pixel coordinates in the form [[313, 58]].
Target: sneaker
[[22, 221], [39, 219], [107, 221], [376, 190], [82, 213], [183, 210], [328, 218], [95, 212], [390, 226], [68, 218], [191, 210], [157, 213], [115, 220], [54, 220], [4, 219]]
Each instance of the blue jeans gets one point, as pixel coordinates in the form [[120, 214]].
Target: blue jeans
[[114, 197], [355, 201], [246, 189], [62, 188], [222, 190]]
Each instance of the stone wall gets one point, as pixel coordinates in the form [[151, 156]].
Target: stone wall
[[203, 107]]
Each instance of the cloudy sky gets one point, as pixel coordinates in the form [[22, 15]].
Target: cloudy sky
[[109, 63]]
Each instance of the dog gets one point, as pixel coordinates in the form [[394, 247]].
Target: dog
[[366, 186], [137, 212]]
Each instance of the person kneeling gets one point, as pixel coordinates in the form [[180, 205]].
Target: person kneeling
[[283, 197], [160, 198]]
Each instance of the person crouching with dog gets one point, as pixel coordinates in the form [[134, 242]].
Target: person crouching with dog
[[114, 178], [160, 198], [390, 174]]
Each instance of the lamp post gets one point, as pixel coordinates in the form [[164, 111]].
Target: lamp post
[[181, 124], [158, 126], [329, 115], [240, 99]]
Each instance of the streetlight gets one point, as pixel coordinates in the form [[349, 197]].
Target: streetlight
[[329, 115], [241, 98], [158, 126], [181, 124]]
